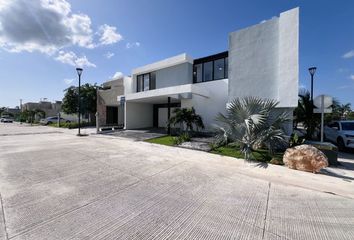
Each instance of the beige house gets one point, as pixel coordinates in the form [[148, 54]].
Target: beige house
[[110, 111], [50, 109]]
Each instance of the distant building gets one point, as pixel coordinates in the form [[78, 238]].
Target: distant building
[[13, 111], [50, 109]]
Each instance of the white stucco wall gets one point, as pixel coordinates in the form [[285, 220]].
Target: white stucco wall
[[209, 107], [138, 115], [120, 115], [263, 60], [174, 76]]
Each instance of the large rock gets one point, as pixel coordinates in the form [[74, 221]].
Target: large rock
[[305, 158]]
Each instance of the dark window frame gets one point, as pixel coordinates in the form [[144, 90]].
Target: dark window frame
[[143, 82], [212, 59]]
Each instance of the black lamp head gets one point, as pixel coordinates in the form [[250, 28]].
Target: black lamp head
[[312, 70], [79, 71]]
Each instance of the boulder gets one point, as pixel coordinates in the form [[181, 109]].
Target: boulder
[[305, 158]]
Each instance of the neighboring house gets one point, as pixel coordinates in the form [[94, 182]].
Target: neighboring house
[[110, 113], [261, 61], [12, 111], [50, 109]]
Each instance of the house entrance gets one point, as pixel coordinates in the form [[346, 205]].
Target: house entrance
[[112, 115]]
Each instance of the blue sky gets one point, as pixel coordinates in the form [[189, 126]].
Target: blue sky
[[41, 41]]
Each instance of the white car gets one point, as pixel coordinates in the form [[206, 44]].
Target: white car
[[6, 119], [341, 133], [50, 120]]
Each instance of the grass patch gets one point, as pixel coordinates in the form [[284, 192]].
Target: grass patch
[[260, 155], [165, 140]]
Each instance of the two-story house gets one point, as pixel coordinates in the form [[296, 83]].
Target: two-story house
[[261, 60]]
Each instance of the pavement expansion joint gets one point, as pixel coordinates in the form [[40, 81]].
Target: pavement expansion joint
[[3, 217], [266, 211]]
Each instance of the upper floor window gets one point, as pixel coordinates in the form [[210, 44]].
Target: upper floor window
[[146, 82], [210, 68]]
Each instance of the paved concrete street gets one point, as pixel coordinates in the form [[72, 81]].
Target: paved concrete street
[[54, 185]]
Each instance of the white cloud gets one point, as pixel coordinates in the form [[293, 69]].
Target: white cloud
[[109, 55], [69, 81], [49, 27], [302, 86], [72, 59], [351, 77], [133, 44], [42, 25], [108, 35], [118, 75], [349, 54]]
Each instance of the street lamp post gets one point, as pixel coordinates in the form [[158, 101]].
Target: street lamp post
[[312, 71], [79, 71]]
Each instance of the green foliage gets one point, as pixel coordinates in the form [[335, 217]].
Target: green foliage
[[304, 114], [70, 100], [252, 123], [261, 155], [2, 109], [184, 137], [165, 140], [187, 119], [88, 95], [295, 140], [30, 115], [350, 116]]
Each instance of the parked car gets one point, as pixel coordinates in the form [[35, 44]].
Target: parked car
[[341, 133], [6, 119], [50, 120]]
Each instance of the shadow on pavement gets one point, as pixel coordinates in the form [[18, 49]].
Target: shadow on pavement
[[333, 174]]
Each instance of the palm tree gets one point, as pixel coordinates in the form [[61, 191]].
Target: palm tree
[[304, 113], [187, 119], [344, 109], [252, 122]]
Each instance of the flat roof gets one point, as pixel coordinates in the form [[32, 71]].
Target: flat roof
[[168, 62]]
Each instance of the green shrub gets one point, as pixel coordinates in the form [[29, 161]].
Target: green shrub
[[184, 137], [295, 140]]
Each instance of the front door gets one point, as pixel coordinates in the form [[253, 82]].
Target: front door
[[112, 115]]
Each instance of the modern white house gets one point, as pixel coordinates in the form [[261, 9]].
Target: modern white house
[[262, 61]]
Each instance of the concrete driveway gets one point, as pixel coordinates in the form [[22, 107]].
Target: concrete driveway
[[55, 185]]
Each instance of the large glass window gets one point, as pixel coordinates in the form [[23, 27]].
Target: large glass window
[[146, 82], [219, 69], [140, 83], [226, 67], [198, 73], [211, 68], [208, 71], [152, 80]]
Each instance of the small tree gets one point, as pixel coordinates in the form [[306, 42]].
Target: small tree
[[187, 119], [88, 95], [251, 123], [304, 113]]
